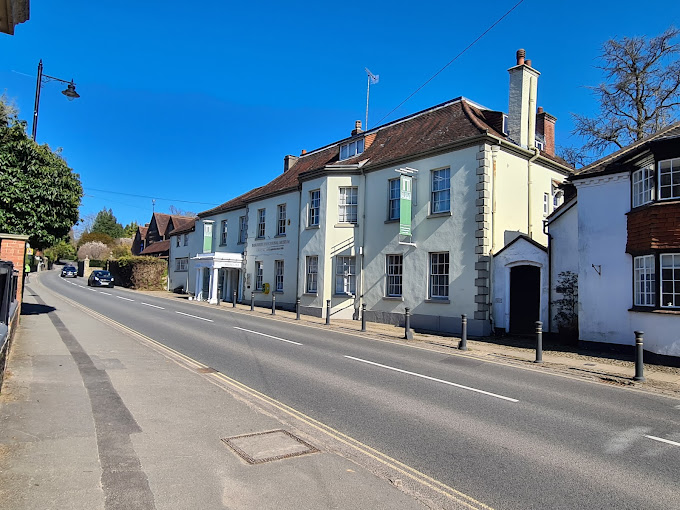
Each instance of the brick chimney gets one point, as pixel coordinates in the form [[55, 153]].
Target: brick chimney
[[545, 126], [357, 128], [522, 106], [288, 162]]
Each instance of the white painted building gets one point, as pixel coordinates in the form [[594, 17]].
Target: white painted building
[[328, 228], [626, 223]]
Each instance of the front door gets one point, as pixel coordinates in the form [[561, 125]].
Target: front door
[[205, 288], [525, 298]]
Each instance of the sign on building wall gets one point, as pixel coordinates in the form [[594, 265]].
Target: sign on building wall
[[406, 185], [207, 237]]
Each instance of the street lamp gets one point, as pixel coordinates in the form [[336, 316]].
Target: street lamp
[[69, 92]]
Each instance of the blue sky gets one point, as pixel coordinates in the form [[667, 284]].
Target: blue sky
[[200, 104]]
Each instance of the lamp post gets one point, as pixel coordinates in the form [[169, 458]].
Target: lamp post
[[69, 92]]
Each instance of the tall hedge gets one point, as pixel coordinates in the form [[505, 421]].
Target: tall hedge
[[142, 273]]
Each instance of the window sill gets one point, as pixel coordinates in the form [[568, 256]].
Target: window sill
[[439, 214], [439, 301], [346, 225], [393, 298], [312, 227], [657, 202], [345, 296], [311, 294], [258, 238], [392, 221], [278, 292], [280, 235], [645, 309]]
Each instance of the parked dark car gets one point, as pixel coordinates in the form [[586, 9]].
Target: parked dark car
[[69, 272], [100, 279]]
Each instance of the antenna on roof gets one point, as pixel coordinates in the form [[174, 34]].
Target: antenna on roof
[[372, 80], [153, 205]]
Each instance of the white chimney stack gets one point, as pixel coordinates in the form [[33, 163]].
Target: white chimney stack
[[522, 107]]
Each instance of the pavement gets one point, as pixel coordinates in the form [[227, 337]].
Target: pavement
[[93, 415]]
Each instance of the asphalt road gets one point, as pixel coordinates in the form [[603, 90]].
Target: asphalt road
[[508, 437]]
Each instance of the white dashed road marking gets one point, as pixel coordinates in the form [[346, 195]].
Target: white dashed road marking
[[126, 299], [661, 439], [433, 379], [154, 306], [269, 336], [195, 317]]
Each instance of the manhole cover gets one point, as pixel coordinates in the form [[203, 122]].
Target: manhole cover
[[268, 446]]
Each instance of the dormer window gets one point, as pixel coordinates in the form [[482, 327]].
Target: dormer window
[[351, 149]]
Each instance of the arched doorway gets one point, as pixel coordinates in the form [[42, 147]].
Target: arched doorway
[[525, 298]]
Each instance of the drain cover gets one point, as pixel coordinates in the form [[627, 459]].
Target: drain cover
[[268, 446]]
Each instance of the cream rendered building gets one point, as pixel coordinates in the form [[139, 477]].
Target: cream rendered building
[[327, 230]]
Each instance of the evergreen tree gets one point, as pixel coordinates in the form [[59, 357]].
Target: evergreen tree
[[106, 223]]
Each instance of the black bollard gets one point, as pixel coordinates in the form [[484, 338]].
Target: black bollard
[[408, 334], [233, 301], [328, 311], [539, 342], [363, 317], [297, 309], [273, 304], [252, 301], [639, 354], [462, 345]]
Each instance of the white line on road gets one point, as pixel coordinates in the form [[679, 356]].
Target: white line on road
[[106, 293], [91, 289], [195, 317], [663, 440], [125, 298], [433, 379], [269, 336], [147, 304]]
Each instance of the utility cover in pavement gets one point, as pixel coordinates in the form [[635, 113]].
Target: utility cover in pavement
[[267, 446]]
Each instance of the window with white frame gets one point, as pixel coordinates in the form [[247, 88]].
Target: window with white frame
[[312, 272], [345, 275], [260, 223], [395, 264], [644, 280], [259, 275], [347, 205], [441, 191], [669, 178], [643, 186], [278, 267], [314, 208], [242, 229], [182, 264], [177, 241], [394, 198], [350, 149], [670, 280], [223, 233], [439, 275], [186, 239], [546, 204], [281, 220]]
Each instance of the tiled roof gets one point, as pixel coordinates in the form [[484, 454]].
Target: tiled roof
[[158, 247], [437, 127], [183, 225], [608, 163], [142, 232]]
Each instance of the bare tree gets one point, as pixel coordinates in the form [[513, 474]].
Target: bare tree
[[641, 93], [176, 211]]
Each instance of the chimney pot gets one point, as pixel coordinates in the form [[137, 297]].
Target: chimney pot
[[520, 56], [357, 128], [528, 62], [540, 109], [304, 151]]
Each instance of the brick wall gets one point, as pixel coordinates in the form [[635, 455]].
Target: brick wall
[[656, 227], [13, 248]]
